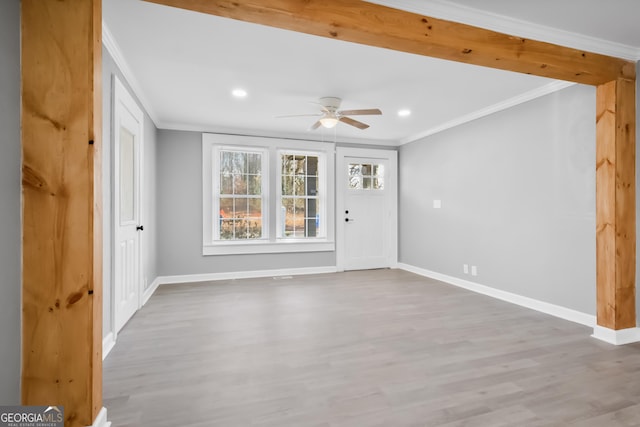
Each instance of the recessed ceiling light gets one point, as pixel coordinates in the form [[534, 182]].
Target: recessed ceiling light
[[404, 113], [239, 93]]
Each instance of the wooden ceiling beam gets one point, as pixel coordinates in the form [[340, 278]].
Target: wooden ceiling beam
[[375, 25]]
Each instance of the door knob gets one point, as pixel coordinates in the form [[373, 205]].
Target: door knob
[[139, 228]]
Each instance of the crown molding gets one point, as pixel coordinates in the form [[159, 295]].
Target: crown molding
[[114, 50], [507, 103], [298, 136], [492, 21]]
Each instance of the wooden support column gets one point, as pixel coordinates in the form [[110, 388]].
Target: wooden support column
[[616, 204], [62, 242]]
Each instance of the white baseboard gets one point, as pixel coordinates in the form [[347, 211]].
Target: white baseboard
[[190, 278], [150, 290], [108, 343], [619, 337], [544, 307], [101, 419]]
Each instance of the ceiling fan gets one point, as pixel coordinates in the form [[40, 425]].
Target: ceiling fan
[[330, 115]]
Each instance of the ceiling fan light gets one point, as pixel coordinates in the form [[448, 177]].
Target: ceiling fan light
[[328, 122]]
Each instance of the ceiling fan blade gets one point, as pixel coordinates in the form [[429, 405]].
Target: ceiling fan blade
[[298, 115], [354, 123], [316, 125], [369, 112], [322, 107]]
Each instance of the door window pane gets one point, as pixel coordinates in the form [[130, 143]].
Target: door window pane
[[127, 176], [365, 176]]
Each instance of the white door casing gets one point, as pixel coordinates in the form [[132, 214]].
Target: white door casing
[[128, 126], [366, 216]]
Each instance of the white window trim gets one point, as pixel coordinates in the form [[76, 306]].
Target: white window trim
[[271, 184]]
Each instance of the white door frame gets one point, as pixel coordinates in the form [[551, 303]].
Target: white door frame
[[122, 99], [391, 184]]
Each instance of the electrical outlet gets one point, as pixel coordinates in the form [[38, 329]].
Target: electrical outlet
[[465, 268], [474, 270]]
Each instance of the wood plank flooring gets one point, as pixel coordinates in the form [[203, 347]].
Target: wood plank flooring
[[360, 349]]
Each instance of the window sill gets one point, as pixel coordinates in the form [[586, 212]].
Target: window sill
[[281, 246]]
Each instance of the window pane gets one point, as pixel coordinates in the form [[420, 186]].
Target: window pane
[[254, 228], [226, 162], [311, 186], [226, 184], [300, 165], [312, 166], [378, 183], [355, 182], [255, 208], [287, 207], [226, 229], [255, 185], [242, 208], [239, 164], [127, 176], [299, 182], [254, 164], [241, 229], [287, 164], [226, 207], [366, 169], [300, 207], [378, 170], [287, 186], [366, 182], [355, 177], [311, 227], [312, 207], [239, 184]]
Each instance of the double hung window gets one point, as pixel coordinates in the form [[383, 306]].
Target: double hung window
[[264, 195]]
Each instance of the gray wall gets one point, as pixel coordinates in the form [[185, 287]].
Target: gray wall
[[10, 282], [180, 217], [518, 200], [149, 235]]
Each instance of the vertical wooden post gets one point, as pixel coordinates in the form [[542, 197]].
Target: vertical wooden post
[[62, 241], [615, 204]]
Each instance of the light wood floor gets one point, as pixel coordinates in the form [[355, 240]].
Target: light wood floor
[[358, 349]]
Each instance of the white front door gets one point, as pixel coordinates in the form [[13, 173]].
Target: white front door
[[127, 136], [367, 208]]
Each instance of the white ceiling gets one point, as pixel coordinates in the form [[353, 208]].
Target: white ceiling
[[184, 65]]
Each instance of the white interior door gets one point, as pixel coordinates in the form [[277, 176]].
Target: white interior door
[[127, 136], [367, 209]]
